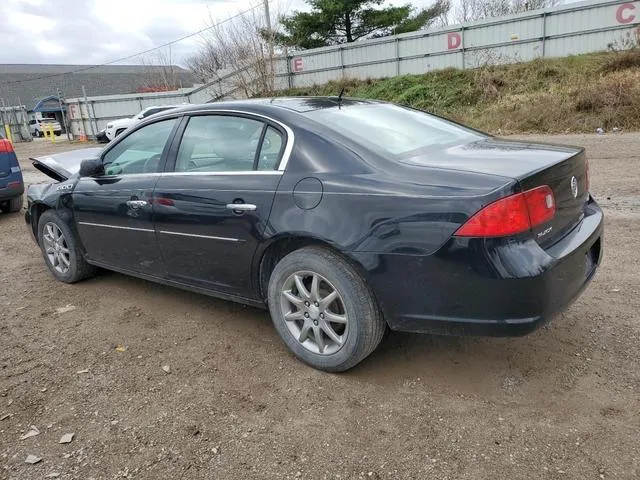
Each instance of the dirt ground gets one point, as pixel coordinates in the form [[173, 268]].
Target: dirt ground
[[562, 403]]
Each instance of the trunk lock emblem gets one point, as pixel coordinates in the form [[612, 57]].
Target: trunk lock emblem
[[574, 187]]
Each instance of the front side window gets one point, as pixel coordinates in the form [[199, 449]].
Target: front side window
[[219, 143], [141, 151]]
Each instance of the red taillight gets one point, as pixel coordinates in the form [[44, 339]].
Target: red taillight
[[541, 205], [5, 146], [511, 215], [12, 185]]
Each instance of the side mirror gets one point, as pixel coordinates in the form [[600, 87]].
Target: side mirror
[[140, 117], [91, 168]]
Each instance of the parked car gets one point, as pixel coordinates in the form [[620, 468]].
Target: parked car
[[116, 127], [11, 183], [37, 126], [343, 217], [101, 136]]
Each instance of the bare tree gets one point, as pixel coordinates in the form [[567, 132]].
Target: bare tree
[[160, 74], [236, 53], [470, 10]]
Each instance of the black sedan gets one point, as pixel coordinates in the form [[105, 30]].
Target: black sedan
[[344, 217]]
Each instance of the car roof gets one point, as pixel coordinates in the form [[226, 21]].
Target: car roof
[[296, 104]]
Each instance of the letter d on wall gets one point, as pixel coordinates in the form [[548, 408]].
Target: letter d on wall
[[454, 40]]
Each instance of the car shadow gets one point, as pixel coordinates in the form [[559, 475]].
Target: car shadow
[[470, 365]]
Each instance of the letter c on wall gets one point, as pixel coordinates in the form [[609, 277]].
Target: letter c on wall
[[622, 17]]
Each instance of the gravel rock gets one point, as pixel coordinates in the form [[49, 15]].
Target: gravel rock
[[66, 438]]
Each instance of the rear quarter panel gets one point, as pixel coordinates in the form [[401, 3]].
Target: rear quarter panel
[[386, 207]]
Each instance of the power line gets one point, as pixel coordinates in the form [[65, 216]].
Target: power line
[[90, 67]]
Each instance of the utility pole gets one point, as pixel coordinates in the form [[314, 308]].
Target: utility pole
[[267, 17], [86, 103], [64, 115]]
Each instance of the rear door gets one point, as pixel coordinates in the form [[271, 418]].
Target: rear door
[[114, 212], [212, 210]]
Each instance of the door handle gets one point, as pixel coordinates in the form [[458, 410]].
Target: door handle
[[136, 204], [241, 207]]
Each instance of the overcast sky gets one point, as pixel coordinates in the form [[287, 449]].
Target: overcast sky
[[98, 31]]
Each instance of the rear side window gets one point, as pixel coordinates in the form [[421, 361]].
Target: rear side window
[[270, 149], [219, 143], [398, 131]]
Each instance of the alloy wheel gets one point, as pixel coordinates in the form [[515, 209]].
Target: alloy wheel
[[314, 312], [56, 248]]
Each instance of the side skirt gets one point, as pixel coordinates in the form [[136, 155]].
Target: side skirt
[[184, 286]]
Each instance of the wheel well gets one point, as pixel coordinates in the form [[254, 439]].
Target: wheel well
[[284, 246], [278, 250], [37, 210]]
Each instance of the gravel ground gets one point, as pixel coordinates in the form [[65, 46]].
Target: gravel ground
[[561, 403]]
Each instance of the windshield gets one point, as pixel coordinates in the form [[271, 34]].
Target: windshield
[[399, 131]]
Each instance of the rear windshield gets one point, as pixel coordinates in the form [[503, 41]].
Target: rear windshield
[[399, 131]]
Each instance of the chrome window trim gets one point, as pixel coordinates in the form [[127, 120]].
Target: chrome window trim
[[208, 237], [182, 174], [240, 172], [119, 227], [169, 114]]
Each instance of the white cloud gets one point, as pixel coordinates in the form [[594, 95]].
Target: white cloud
[[99, 31]]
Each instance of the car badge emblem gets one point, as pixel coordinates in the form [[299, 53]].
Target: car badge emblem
[[574, 187]]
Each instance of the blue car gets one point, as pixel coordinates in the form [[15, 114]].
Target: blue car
[[11, 183]]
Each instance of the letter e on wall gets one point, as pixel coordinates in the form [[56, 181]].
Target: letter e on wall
[[297, 64]]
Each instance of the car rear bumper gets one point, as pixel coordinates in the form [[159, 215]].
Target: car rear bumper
[[7, 193], [493, 287]]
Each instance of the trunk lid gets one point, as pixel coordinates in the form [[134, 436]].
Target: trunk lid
[[531, 165], [61, 166]]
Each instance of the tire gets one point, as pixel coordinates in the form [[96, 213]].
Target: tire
[[14, 205], [77, 268], [361, 326]]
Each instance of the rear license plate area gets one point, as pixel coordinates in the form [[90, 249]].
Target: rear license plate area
[[592, 258]]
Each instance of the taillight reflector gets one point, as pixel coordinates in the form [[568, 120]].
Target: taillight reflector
[[511, 215], [5, 146]]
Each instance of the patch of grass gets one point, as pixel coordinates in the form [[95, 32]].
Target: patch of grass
[[572, 94]]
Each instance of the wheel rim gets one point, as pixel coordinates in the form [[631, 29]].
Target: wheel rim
[[56, 248], [314, 312]]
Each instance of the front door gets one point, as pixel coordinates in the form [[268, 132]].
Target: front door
[[212, 210], [114, 212]]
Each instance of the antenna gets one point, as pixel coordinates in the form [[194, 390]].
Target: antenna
[[340, 97]]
